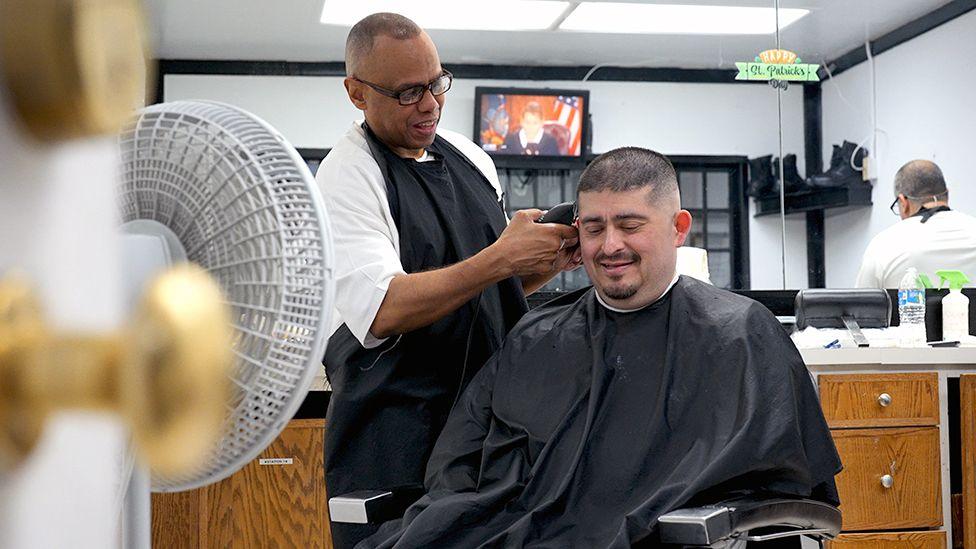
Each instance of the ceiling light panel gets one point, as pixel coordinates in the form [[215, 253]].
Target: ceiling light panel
[[616, 17], [497, 15]]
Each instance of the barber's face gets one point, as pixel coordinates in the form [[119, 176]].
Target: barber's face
[[629, 245], [396, 65]]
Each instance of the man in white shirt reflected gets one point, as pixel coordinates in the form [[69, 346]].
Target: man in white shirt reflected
[[929, 237]]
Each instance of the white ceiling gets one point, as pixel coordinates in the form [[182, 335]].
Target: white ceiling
[[289, 30]]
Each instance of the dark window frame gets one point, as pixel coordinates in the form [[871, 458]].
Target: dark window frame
[[738, 208]]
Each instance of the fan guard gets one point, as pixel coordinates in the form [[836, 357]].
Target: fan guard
[[242, 204]]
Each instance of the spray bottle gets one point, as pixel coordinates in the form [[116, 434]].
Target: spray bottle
[[955, 306]]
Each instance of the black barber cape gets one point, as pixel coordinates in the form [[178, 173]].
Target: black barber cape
[[589, 424], [389, 403]]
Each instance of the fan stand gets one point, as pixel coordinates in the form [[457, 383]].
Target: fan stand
[[137, 510], [148, 248]]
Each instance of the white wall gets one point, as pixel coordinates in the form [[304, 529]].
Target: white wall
[[58, 220], [925, 110], [674, 118]]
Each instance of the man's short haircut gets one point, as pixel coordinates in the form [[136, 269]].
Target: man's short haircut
[[921, 181], [362, 35], [629, 168]]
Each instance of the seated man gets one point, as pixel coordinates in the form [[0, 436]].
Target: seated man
[[613, 405]]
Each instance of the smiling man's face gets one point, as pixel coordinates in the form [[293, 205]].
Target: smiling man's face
[[629, 245], [397, 64]]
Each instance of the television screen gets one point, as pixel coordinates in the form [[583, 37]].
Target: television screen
[[525, 127]]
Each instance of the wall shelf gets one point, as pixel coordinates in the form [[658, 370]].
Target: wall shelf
[[819, 199]]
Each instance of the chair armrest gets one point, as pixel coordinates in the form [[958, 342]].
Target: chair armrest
[[372, 506], [778, 517]]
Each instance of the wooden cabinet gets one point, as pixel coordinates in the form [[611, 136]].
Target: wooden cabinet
[[900, 540], [276, 501], [879, 400], [891, 478], [886, 429], [967, 425]]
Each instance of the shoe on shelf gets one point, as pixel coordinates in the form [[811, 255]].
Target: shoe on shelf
[[841, 173], [792, 181], [761, 180]]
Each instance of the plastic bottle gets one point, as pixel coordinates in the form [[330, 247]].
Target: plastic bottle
[[911, 310], [955, 306]]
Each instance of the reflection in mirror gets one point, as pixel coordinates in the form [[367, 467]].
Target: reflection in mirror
[[889, 95], [901, 98]]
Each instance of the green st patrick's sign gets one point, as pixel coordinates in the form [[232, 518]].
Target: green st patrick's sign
[[777, 65]]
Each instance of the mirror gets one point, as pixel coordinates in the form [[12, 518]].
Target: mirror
[[888, 90], [673, 92]]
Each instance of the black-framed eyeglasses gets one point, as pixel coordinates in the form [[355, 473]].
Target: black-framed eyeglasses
[[894, 210], [413, 94]]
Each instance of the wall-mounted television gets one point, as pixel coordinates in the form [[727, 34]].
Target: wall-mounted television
[[533, 127]]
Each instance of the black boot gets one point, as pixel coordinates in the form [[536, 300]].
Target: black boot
[[761, 180], [841, 173], [836, 157], [792, 181]]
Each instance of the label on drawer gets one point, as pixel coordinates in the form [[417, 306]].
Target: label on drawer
[[275, 461]]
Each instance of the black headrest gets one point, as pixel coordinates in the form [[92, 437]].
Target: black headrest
[[823, 308]]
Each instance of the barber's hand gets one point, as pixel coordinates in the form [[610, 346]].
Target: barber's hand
[[535, 248]]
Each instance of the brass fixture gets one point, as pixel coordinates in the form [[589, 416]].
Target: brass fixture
[[166, 374], [72, 68]]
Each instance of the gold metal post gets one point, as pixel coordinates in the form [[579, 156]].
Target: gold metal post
[[72, 67], [167, 374]]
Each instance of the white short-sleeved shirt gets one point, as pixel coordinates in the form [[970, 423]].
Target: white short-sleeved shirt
[[946, 241], [366, 240]]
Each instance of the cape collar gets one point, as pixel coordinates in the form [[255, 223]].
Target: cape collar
[[616, 310]]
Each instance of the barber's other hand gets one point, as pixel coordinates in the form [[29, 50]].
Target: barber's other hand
[[530, 248]]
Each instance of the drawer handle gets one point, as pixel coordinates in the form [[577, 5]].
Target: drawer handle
[[884, 399], [887, 481]]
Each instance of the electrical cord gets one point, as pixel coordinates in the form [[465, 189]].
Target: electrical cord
[[872, 120], [383, 352]]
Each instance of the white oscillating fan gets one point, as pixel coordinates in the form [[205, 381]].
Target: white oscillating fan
[[222, 189]]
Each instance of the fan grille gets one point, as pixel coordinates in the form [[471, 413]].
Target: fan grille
[[246, 209]]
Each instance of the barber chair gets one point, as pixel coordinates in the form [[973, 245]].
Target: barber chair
[[731, 524], [846, 308]]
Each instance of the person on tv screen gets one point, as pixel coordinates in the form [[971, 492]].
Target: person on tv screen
[[531, 139]]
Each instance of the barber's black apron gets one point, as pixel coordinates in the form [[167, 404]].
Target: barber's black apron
[[389, 403]]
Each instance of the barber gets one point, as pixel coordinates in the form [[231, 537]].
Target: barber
[[430, 276], [929, 237]]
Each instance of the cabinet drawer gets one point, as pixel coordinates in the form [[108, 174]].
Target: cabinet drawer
[[910, 456], [880, 400], [899, 540]]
